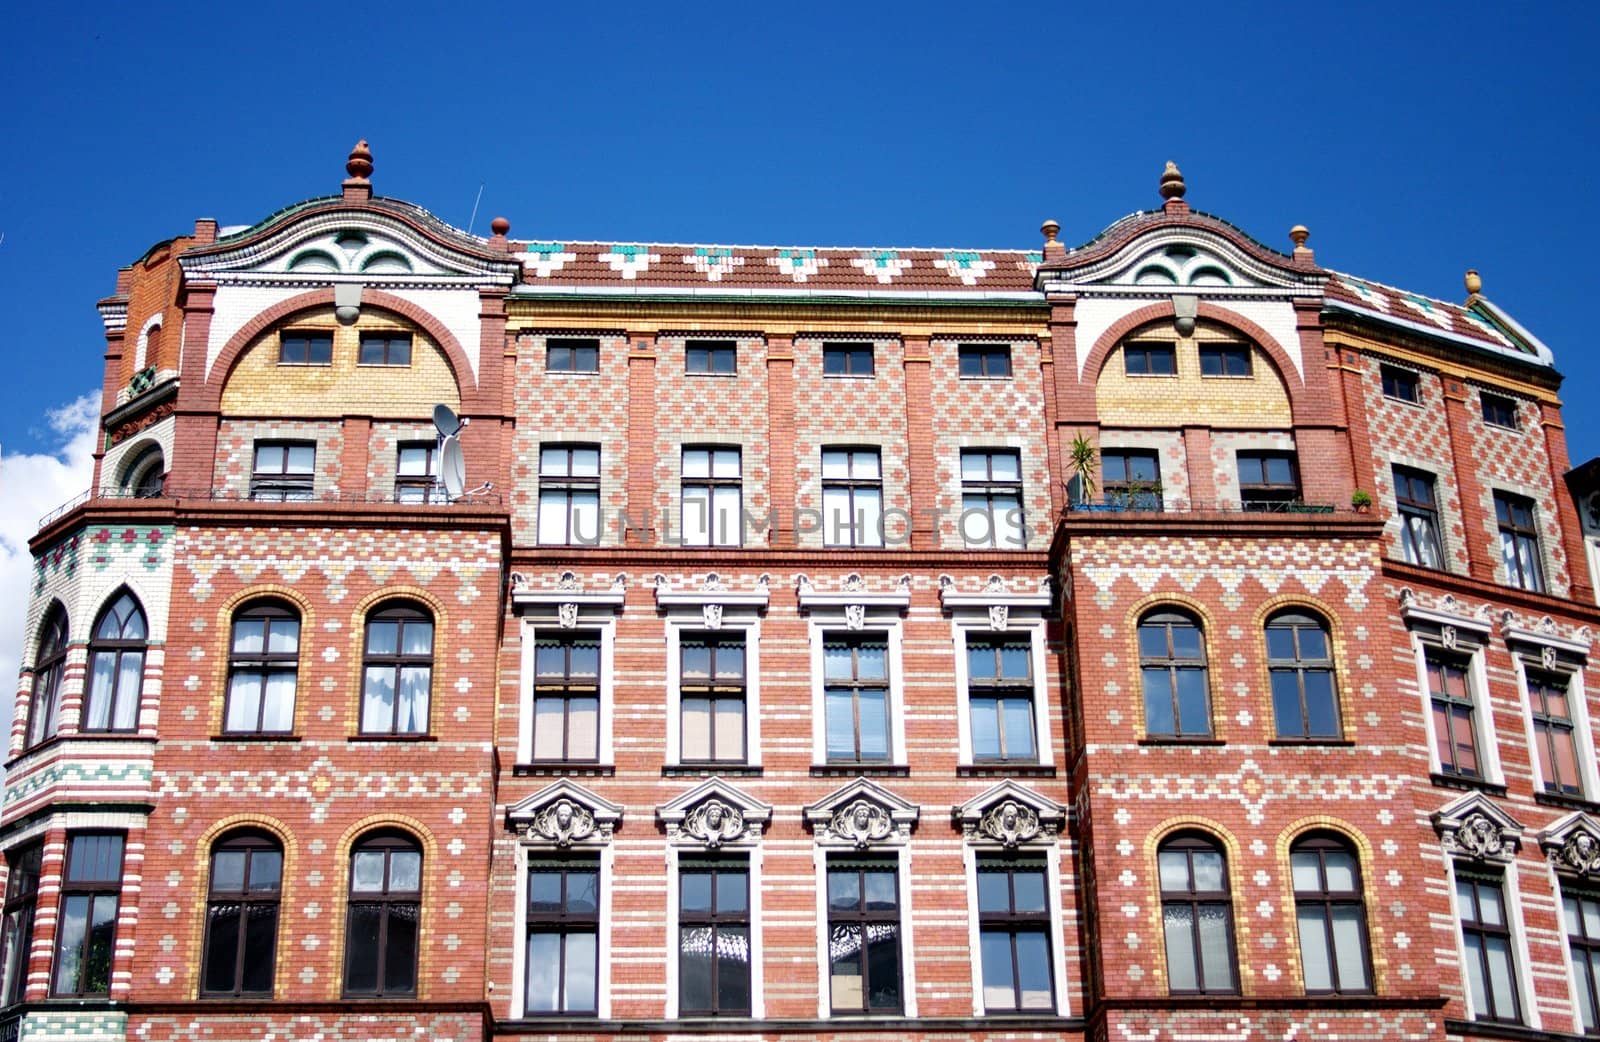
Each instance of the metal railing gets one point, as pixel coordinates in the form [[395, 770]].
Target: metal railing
[[1153, 503], [435, 501]]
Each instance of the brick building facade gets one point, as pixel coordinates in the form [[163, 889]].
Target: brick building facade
[[778, 670]]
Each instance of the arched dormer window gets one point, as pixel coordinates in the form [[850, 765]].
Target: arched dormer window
[[44, 707], [116, 667]]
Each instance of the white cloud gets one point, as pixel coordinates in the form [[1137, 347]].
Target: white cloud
[[30, 487]]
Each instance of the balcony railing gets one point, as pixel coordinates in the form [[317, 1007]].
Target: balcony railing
[[436, 501], [1153, 503]]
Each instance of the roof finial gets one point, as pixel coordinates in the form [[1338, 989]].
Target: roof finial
[[1050, 229], [1298, 235], [1052, 248], [359, 165], [1172, 186], [1474, 284], [500, 226]]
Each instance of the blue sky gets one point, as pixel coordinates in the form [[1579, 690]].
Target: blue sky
[[1413, 143]]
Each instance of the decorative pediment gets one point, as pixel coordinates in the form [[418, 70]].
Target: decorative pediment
[[713, 598], [564, 814], [997, 597], [1009, 815], [1474, 828], [714, 814], [1543, 643], [1573, 846], [860, 815], [1206, 260], [1449, 622], [331, 243], [855, 596], [565, 596]]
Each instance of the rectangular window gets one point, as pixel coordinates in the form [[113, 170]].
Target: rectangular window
[[847, 359], [1400, 384], [87, 926], [863, 937], [415, 472], [1486, 937], [1499, 410], [305, 347], [1131, 478], [852, 497], [1555, 735], [1454, 715], [984, 361], [991, 499], [1150, 360], [710, 357], [1224, 360], [711, 497], [572, 355], [1000, 699], [714, 939], [566, 697], [1581, 911], [285, 471], [711, 696], [1419, 517], [385, 349], [855, 673], [1519, 541], [569, 495], [563, 925], [16, 938], [1268, 480], [1014, 936]]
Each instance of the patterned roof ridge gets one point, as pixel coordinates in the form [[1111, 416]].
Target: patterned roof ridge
[[464, 239], [1139, 217], [522, 244], [1494, 328]]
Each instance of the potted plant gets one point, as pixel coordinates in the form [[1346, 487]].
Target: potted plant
[[1361, 501], [1084, 459]]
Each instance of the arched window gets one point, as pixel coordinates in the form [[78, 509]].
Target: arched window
[[1172, 661], [242, 916], [116, 667], [1197, 916], [1332, 916], [44, 708], [263, 664], [385, 911], [146, 475], [397, 674], [1300, 665]]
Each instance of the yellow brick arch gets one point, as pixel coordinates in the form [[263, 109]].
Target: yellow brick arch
[[1377, 945], [1235, 854], [1208, 630], [433, 892], [224, 617], [1338, 649], [356, 643], [200, 892]]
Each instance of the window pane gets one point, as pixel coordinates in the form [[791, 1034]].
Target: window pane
[[1305, 870], [1153, 640], [1019, 729], [1315, 957], [1158, 718], [844, 890], [868, 517], [244, 701], [583, 892], [301, 459], [1322, 707], [694, 968], [1174, 870], [1177, 923], [1490, 909], [1473, 943], [985, 728], [999, 982], [1286, 704], [1194, 714], [552, 517], [366, 872], [377, 703], [1014, 660], [418, 638], [1028, 891], [581, 966], [283, 636], [227, 871], [126, 711], [222, 947], [1347, 931], [400, 951], [874, 709], [883, 966], [1341, 868], [1033, 968], [248, 636], [872, 661], [696, 729], [694, 892], [881, 892], [583, 729], [544, 891], [260, 942], [1185, 640], [544, 962], [405, 871], [415, 682], [1214, 943], [732, 892], [841, 730], [1498, 953], [733, 969], [994, 892], [837, 662], [730, 729], [1208, 871]]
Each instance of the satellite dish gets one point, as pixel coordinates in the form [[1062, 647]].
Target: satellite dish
[[445, 419], [452, 468]]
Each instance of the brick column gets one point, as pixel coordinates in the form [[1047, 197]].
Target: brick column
[[487, 443], [1479, 562], [1352, 407], [192, 468], [1555, 447], [780, 439], [46, 912], [922, 479], [357, 453], [1202, 475], [641, 447], [1074, 399], [115, 341]]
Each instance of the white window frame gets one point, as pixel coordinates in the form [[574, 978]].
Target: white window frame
[[970, 855], [1528, 999], [564, 610], [675, 856], [1571, 661], [1427, 632], [527, 852], [820, 630], [994, 612], [750, 627], [901, 856]]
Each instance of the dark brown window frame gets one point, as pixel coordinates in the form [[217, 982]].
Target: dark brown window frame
[[1265, 495], [567, 688], [391, 341], [1499, 410], [856, 685], [1327, 901], [281, 485], [1407, 482], [703, 357], [1013, 922], [1548, 727], [862, 919], [1296, 620], [1224, 351], [1440, 695], [1524, 537], [21, 908], [117, 648], [569, 486], [1400, 385], [715, 688], [993, 361], [1165, 618], [706, 486], [1196, 900], [1148, 351], [304, 338], [251, 843], [850, 484], [1001, 690], [571, 345], [716, 920], [564, 922], [419, 488], [265, 662], [402, 613], [387, 901], [1584, 946], [1472, 924], [44, 704], [93, 889], [851, 352]]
